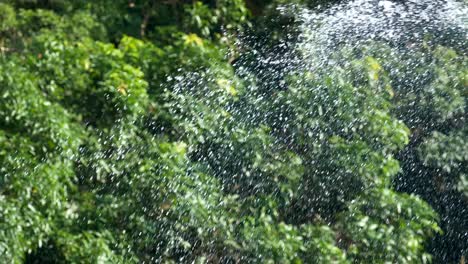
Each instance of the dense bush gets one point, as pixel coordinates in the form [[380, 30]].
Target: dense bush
[[129, 134]]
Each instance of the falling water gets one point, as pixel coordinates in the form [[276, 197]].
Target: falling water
[[407, 30], [398, 23], [301, 149]]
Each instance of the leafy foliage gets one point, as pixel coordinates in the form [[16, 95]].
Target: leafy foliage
[[128, 136]]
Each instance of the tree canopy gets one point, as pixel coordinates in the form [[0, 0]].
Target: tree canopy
[[143, 132]]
